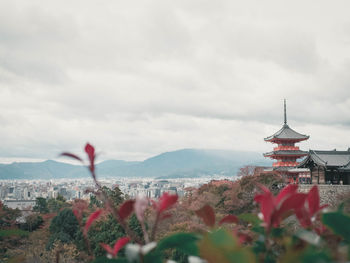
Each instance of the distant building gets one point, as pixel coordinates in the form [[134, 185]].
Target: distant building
[[24, 205], [328, 167], [286, 153]]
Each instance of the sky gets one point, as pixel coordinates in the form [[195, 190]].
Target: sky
[[138, 78]]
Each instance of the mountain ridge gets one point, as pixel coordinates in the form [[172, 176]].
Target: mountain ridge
[[178, 163]]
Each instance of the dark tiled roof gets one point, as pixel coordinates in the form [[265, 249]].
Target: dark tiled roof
[[287, 133], [290, 153], [346, 167], [340, 159]]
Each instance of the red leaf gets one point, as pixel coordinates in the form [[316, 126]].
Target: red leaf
[[313, 200], [120, 244], [229, 219], [91, 219], [206, 213], [286, 191], [166, 201], [293, 202], [126, 209], [90, 150], [107, 248], [303, 217], [243, 238], [266, 205], [72, 156]]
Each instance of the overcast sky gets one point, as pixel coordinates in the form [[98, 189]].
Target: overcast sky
[[137, 78]]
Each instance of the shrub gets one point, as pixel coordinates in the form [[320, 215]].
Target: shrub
[[32, 222]]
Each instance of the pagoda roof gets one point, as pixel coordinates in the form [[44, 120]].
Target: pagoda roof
[[291, 169], [287, 134], [283, 168], [334, 158], [289, 153]]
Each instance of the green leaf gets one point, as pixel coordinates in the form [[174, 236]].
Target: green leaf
[[113, 260], [313, 255], [185, 242], [250, 218], [155, 256], [277, 232], [339, 223], [222, 246]]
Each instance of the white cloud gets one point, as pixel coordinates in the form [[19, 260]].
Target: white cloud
[[138, 78]]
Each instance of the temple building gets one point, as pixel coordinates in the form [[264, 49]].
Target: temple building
[[287, 153], [328, 167]]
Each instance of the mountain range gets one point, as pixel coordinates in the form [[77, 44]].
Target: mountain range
[[175, 164]]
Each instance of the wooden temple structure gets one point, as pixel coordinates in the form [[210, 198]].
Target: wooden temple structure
[[328, 167], [286, 153]]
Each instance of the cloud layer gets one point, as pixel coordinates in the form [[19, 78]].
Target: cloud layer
[[138, 78]]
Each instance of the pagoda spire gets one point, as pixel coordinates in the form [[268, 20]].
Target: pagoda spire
[[285, 112]]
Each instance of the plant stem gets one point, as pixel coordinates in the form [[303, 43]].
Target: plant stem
[[154, 230]]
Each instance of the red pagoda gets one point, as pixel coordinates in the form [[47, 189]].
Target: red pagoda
[[286, 153]]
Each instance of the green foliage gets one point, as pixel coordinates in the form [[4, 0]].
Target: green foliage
[[135, 226], [222, 246], [32, 222], [184, 242], [13, 232], [339, 223], [8, 216], [55, 205], [104, 231], [41, 205], [64, 227], [110, 260], [115, 195]]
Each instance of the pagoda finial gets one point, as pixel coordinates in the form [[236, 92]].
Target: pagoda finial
[[285, 112]]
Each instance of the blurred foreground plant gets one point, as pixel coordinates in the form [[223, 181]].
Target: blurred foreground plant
[[266, 237]]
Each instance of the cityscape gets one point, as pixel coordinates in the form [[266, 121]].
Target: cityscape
[[22, 194]]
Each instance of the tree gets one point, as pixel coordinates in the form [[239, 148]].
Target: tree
[[64, 227], [32, 222], [41, 205], [115, 195], [247, 170], [8, 215]]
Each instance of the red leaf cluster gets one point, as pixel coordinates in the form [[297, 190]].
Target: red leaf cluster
[[90, 150], [79, 207], [274, 208], [91, 219], [126, 209], [312, 207], [117, 246], [165, 202], [207, 214]]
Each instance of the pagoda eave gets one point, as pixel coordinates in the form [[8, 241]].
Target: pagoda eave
[[284, 156], [279, 140]]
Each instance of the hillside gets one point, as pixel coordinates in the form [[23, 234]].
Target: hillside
[[181, 163]]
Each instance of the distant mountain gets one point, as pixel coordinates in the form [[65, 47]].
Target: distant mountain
[[181, 163]]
